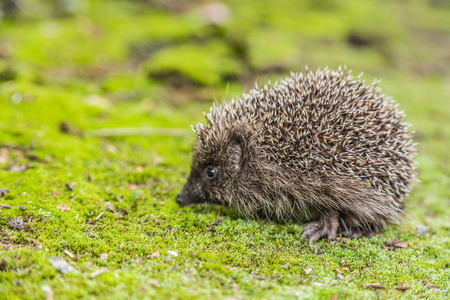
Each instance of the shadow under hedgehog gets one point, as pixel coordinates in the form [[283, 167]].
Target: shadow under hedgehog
[[322, 148]]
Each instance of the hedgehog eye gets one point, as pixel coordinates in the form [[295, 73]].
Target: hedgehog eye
[[211, 172]]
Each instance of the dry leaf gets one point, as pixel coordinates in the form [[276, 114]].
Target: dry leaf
[[402, 229], [153, 282], [103, 256], [34, 241], [70, 255], [317, 284], [155, 254], [373, 286], [63, 207], [139, 260], [307, 270], [428, 283], [402, 245], [48, 292], [98, 272], [235, 287], [4, 155], [55, 192]]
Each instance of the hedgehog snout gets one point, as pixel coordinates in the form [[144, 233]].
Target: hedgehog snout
[[191, 193], [179, 199]]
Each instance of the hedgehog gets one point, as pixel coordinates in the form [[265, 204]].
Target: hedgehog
[[325, 149]]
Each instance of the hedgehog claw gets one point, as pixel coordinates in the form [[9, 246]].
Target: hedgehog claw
[[327, 226], [356, 232]]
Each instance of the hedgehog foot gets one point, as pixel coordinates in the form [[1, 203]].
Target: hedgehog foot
[[327, 226], [357, 232]]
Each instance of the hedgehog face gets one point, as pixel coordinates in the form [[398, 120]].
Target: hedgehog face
[[217, 163], [200, 184]]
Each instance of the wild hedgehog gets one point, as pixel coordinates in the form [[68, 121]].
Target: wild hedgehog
[[322, 148]]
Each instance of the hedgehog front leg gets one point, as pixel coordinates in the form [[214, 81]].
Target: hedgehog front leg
[[327, 225]]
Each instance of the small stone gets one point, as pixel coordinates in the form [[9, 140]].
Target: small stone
[[3, 192], [103, 256], [18, 283], [421, 230], [215, 13], [392, 242], [16, 222], [109, 206], [69, 186], [172, 253], [60, 264], [340, 277], [22, 207]]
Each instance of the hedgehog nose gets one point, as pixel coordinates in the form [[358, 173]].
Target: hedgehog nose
[[179, 200]]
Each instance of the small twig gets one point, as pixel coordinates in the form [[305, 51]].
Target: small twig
[[99, 216], [136, 131]]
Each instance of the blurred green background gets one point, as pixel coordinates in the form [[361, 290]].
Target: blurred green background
[[152, 66]]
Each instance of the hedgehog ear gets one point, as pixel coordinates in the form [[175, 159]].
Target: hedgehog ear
[[236, 148]]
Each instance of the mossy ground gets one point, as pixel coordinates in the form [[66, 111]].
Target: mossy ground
[[159, 64]]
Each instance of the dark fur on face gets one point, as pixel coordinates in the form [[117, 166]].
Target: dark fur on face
[[323, 146], [215, 169]]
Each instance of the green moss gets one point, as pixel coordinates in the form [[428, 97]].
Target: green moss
[[90, 66], [206, 64]]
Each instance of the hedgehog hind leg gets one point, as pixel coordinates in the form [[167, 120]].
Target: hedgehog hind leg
[[327, 226]]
